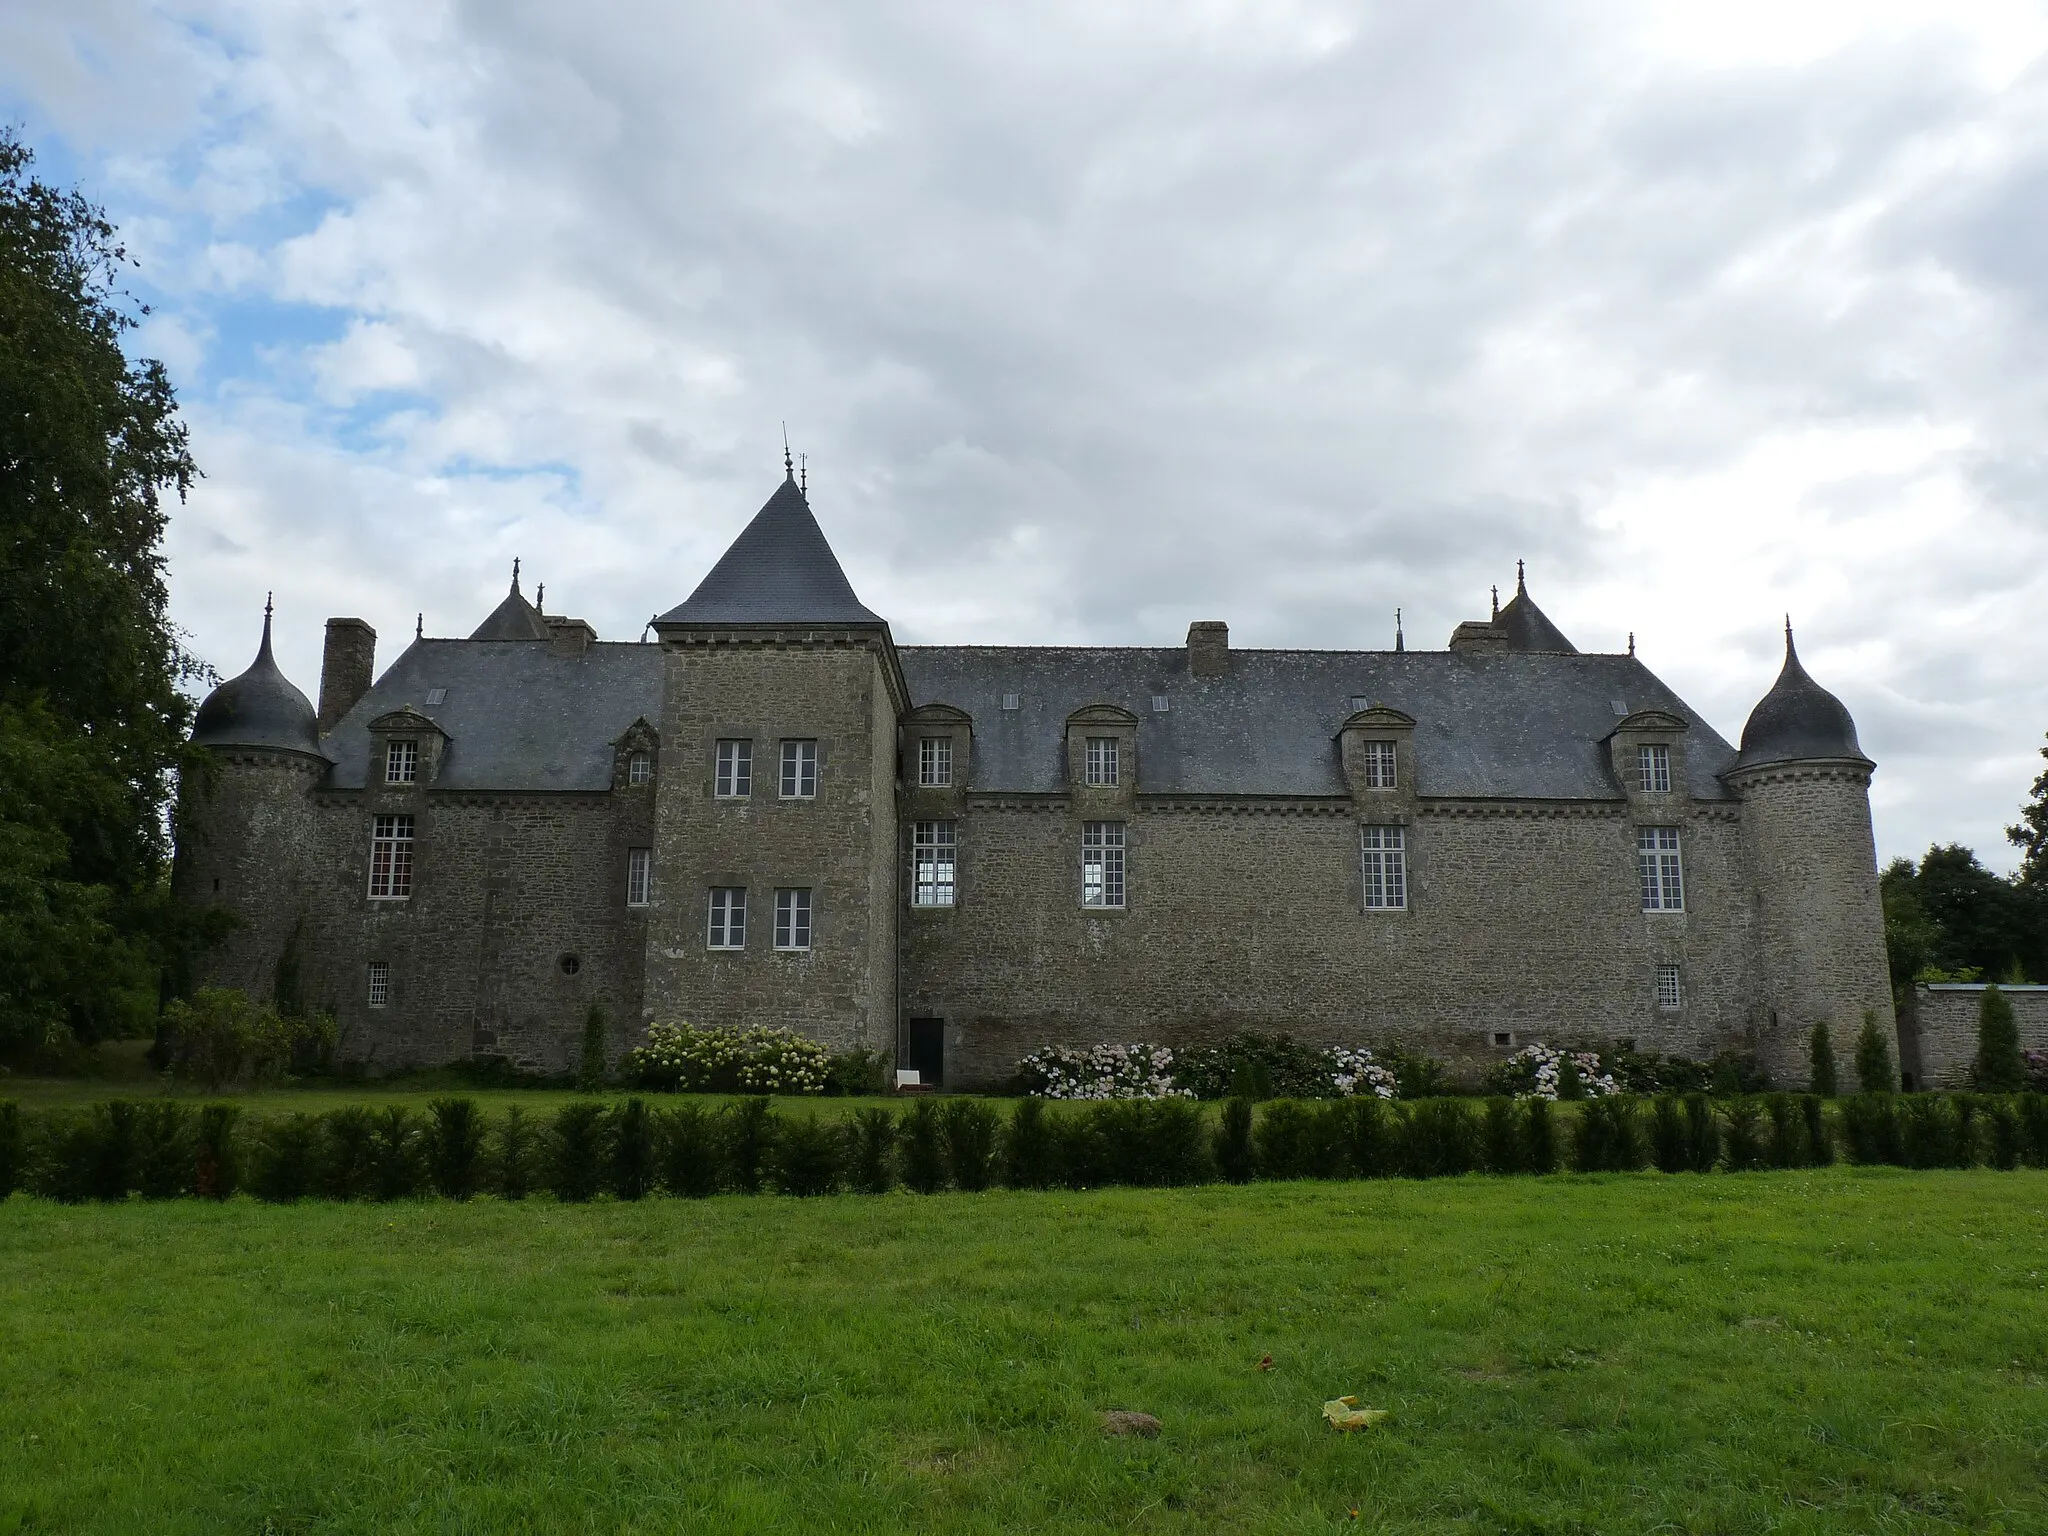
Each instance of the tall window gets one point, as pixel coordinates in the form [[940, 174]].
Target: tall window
[[391, 858], [935, 761], [799, 770], [380, 984], [1657, 861], [1379, 765], [728, 925], [401, 762], [735, 769], [933, 880], [1102, 760], [1102, 863], [1384, 861], [639, 876], [793, 918], [1653, 770], [639, 768], [1670, 992]]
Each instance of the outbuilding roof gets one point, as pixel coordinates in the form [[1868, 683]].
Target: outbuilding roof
[[260, 708], [1797, 721], [780, 570]]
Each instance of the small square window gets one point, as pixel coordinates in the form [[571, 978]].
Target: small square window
[[1670, 987], [380, 984], [639, 768], [1503, 1037], [1012, 701], [401, 762], [1102, 761], [935, 762], [639, 876], [1160, 703], [793, 918], [437, 695], [1653, 770], [727, 928], [735, 769], [1379, 765], [799, 770]]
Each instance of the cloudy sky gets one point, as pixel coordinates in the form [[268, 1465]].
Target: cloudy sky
[[1093, 319]]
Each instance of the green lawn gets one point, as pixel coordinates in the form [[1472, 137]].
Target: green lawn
[[1841, 1350]]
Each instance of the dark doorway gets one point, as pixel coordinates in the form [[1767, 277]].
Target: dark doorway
[[925, 1051]]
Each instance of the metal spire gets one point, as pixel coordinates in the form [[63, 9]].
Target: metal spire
[[788, 465], [1496, 602], [419, 626], [1631, 642], [803, 474], [1400, 641], [540, 595], [1519, 586], [515, 573]]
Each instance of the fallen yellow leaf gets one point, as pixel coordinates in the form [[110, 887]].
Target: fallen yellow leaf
[[1344, 1413]]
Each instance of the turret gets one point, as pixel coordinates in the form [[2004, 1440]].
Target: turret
[[1805, 789], [245, 835]]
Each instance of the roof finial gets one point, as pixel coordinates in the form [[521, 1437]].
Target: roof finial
[[515, 573], [1496, 601], [540, 595], [419, 626], [788, 465], [1519, 585], [803, 474], [1400, 641], [269, 595], [1631, 642]]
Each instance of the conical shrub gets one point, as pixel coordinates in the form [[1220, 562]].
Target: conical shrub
[[871, 1149], [924, 1149], [1234, 1156], [690, 1151], [629, 1150], [970, 1135], [1030, 1148], [455, 1148]]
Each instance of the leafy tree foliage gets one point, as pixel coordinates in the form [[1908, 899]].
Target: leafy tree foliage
[[92, 723], [1950, 918], [2030, 833]]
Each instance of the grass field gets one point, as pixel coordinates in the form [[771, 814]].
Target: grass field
[[1839, 1350]]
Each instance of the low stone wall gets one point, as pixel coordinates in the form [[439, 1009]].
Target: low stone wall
[[1938, 1043]]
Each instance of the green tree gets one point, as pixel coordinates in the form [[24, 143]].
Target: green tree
[[92, 723], [1822, 1050], [1999, 1067], [1874, 1072], [2030, 833]]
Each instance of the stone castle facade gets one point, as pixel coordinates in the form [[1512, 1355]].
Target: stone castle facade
[[774, 814]]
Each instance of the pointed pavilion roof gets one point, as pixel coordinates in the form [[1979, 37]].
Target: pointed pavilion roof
[[1797, 721], [513, 619], [779, 570], [1528, 627], [260, 708]]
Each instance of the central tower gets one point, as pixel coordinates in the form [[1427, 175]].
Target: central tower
[[775, 845]]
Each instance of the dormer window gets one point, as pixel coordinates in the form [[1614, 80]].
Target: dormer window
[[1102, 763], [639, 768], [1379, 765], [935, 762], [401, 761], [1653, 770]]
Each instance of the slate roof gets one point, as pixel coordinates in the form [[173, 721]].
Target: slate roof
[[1512, 726], [260, 708], [513, 619], [1798, 720], [1527, 627], [779, 570], [518, 715]]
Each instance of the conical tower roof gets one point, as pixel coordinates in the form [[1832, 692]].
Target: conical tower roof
[[1527, 627], [779, 570], [513, 619], [1797, 721], [259, 709]]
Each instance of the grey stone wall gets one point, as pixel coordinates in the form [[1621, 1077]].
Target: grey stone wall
[[1524, 920], [1944, 1020], [1820, 926]]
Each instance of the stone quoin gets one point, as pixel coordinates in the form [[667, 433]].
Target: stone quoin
[[773, 814]]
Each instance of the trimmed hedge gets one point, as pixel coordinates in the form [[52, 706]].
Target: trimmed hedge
[[162, 1149]]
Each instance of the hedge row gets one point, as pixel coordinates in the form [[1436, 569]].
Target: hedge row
[[165, 1148]]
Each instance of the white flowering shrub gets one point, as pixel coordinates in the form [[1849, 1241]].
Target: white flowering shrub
[[1532, 1073], [1103, 1072], [722, 1059], [1354, 1074]]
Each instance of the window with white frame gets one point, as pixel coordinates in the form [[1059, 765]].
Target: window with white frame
[[1657, 861], [1379, 765], [1653, 770], [401, 762], [639, 767], [639, 876], [727, 928], [380, 984], [933, 864], [1102, 863], [391, 858], [799, 770], [793, 918], [1102, 765], [1383, 856], [735, 769], [1670, 987], [935, 761]]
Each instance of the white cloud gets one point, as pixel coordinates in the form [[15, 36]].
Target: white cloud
[[1097, 318]]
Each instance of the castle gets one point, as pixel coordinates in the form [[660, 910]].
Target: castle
[[774, 814]]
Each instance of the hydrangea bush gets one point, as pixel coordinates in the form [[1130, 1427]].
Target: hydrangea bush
[[1104, 1072], [680, 1057], [1534, 1070], [1354, 1074]]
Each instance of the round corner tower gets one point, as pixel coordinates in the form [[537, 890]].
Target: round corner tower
[[1805, 789], [245, 823]]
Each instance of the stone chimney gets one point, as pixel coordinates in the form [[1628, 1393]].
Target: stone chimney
[[571, 635], [347, 668], [1208, 648], [1479, 638]]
